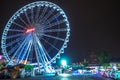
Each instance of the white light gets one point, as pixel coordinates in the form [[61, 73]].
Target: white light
[[114, 67], [65, 75], [64, 63]]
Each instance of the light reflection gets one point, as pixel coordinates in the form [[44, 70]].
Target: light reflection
[[65, 78], [65, 75]]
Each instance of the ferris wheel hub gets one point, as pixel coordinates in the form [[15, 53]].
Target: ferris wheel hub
[[29, 30]]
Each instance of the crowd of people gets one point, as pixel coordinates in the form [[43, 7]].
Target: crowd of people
[[11, 71]]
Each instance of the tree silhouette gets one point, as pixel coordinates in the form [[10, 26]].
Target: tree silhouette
[[104, 57]]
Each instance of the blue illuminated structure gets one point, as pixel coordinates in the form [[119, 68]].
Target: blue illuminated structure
[[36, 34]]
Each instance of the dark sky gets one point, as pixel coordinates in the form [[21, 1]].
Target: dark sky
[[95, 24]]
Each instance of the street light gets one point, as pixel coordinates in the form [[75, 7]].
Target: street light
[[64, 63]]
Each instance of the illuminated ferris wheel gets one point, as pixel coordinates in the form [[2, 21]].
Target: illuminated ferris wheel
[[36, 33]]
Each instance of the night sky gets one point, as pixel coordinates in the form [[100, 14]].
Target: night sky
[[95, 24]]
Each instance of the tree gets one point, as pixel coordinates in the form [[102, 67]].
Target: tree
[[85, 63], [93, 58], [104, 57]]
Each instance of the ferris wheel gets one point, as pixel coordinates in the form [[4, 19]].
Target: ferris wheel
[[36, 33]]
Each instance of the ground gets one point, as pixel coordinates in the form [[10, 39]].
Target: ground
[[66, 77]]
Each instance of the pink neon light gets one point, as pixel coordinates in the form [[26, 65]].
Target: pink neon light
[[1, 56], [30, 30]]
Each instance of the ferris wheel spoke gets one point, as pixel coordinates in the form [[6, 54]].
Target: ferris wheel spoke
[[52, 18], [50, 44], [37, 51], [14, 41], [18, 25], [13, 36], [22, 20], [42, 14], [26, 51], [16, 30], [48, 15], [44, 57], [21, 51], [61, 39], [43, 54], [55, 30], [29, 50], [16, 52], [38, 56], [55, 23], [22, 44], [14, 48], [31, 53], [28, 18], [32, 16], [37, 13], [46, 52]]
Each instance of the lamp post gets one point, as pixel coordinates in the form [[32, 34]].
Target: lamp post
[[64, 63]]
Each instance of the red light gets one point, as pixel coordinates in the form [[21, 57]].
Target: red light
[[30, 30]]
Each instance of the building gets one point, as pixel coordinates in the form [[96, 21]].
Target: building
[[115, 63]]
